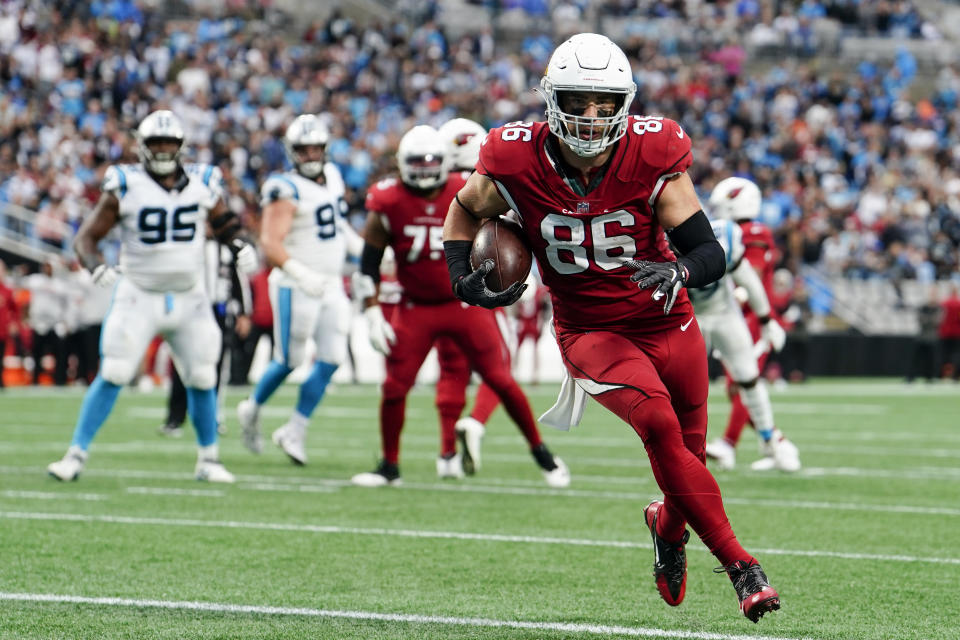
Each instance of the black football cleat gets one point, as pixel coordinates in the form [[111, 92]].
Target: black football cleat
[[669, 560], [756, 595]]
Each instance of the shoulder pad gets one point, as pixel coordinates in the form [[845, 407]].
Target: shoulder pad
[[665, 148], [509, 149], [115, 180], [278, 186], [381, 194]]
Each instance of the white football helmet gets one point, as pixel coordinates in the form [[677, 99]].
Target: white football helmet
[[736, 199], [307, 129], [160, 125], [423, 158], [464, 138], [592, 63]]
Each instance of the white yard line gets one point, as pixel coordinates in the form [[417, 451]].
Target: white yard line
[[485, 623], [171, 491], [492, 486], [49, 495], [445, 535]]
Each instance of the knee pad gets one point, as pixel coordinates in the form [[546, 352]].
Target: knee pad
[[201, 377], [118, 371]]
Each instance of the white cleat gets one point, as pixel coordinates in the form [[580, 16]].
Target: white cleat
[[70, 466], [766, 463], [469, 433], [248, 413], [292, 440], [559, 477], [786, 456], [450, 468], [384, 475], [208, 470], [721, 451]]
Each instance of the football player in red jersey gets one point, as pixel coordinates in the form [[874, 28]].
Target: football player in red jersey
[[738, 199], [463, 138], [595, 189], [408, 216]]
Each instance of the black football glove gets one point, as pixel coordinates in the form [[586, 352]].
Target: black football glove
[[472, 289], [669, 278]]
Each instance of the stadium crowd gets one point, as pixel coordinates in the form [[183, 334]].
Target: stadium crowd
[[859, 172]]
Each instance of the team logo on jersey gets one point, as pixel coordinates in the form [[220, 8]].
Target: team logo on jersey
[[430, 209], [583, 207]]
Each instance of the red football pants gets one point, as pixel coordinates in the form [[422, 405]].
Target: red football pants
[[475, 332], [657, 383]]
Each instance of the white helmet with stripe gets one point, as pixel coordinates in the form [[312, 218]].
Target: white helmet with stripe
[[735, 199], [590, 63], [160, 125], [464, 138], [307, 130]]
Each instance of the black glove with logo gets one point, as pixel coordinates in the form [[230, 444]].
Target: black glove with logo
[[668, 277], [472, 289]]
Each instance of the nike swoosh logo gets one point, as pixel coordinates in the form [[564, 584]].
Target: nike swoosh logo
[[680, 133], [686, 324]]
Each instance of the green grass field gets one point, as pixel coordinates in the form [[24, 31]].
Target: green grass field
[[863, 543]]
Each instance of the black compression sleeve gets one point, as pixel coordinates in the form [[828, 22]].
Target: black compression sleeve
[[370, 259], [701, 254], [458, 260]]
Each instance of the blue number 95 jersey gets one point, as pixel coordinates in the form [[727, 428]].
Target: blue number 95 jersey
[[163, 231]]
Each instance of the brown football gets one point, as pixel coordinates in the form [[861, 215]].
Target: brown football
[[502, 241]]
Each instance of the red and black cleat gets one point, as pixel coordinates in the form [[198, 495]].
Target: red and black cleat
[[756, 595], [670, 559]]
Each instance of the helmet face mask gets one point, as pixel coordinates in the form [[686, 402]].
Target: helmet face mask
[[423, 158], [160, 142], [305, 143], [588, 68]]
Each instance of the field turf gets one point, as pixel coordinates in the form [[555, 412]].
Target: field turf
[[863, 543]]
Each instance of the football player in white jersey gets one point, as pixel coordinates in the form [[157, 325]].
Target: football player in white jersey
[[162, 207], [306, 238], [726, 333]]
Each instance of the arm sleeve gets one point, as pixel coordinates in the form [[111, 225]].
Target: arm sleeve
[[370, 259], [701, 254], [745, 276]]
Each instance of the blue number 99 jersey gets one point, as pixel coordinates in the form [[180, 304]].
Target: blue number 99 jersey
[[317, 237]]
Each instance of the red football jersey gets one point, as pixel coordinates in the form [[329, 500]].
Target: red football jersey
[[579, 242], [761, 251], [415, 224]]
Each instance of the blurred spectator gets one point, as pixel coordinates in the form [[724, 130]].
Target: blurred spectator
[[924, 361], [949, 334], [9, 317], [47, 319]]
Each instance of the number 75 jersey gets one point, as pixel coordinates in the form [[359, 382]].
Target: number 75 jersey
[[163, 230], [581, 241]]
